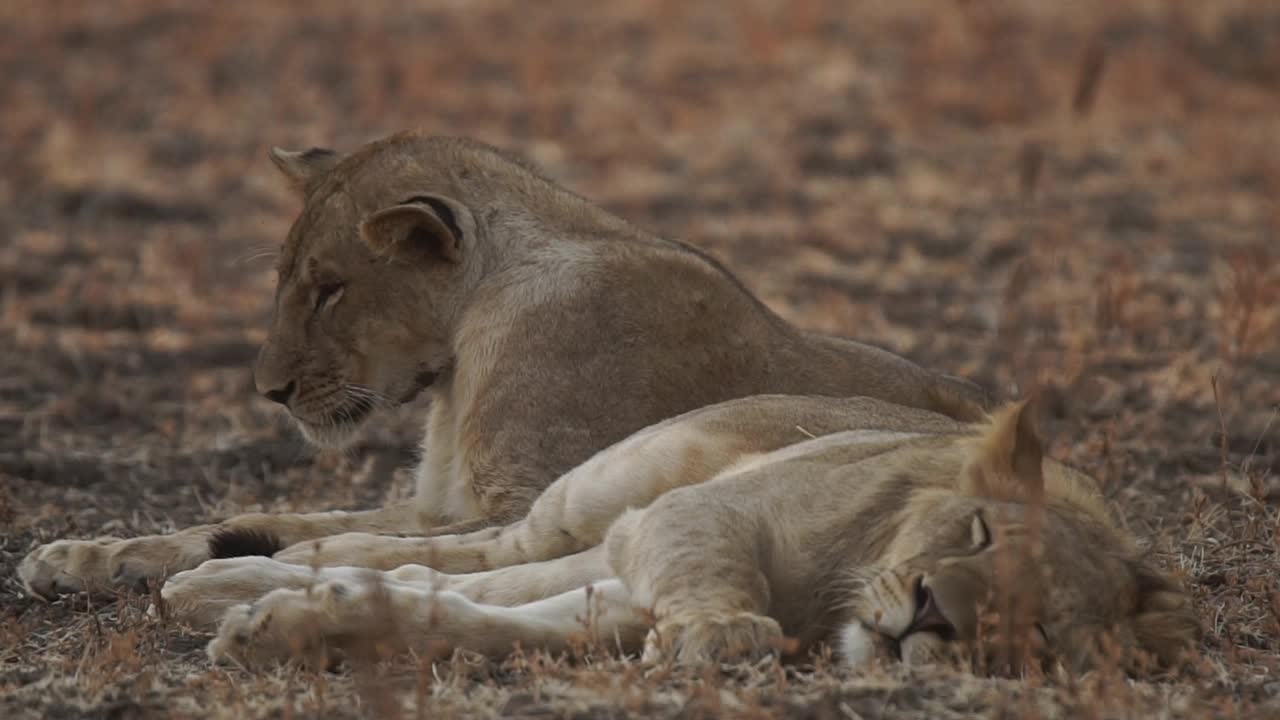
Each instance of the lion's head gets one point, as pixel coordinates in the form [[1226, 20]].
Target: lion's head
[[1016, 561], [370, 281]]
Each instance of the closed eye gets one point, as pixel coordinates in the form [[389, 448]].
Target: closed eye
[[327, 294]]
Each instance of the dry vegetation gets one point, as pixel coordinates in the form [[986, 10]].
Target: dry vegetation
[[1076, 194]]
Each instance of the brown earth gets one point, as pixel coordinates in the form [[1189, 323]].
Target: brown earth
[[1076, 195]]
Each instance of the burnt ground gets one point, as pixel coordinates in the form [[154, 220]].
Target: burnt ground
[[1073, 195]]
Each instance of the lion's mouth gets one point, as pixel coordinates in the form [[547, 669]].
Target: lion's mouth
[[928, 616]]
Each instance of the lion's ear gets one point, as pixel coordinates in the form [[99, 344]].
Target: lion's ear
[[423, 229], [303, 166], [1006, 461]]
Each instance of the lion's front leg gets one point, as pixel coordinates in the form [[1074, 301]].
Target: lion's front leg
[[106, 565], [378, 616], [698, 565]]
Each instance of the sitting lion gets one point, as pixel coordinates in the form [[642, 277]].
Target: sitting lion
[[768, 523], [544, 328]]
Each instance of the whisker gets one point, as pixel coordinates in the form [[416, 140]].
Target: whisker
[[374, 398], [845, 592], [366, 391], [256, 253]]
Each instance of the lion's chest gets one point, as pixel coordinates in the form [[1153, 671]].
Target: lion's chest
[[442, 494]]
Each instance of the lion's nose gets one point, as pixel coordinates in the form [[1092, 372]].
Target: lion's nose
[[281, 395], [928, 616]]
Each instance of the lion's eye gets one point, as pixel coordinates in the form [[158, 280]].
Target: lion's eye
[[327, 294], [1044, 633], [979, 533]]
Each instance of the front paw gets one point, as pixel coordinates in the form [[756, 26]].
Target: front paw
[[107, 565], [68, 566], [695, 638]]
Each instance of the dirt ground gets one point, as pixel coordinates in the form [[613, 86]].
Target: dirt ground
[[1078, 195]]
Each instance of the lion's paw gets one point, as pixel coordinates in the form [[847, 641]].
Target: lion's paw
[[67, 566], [285, 625], [694, 638], [106, 565]]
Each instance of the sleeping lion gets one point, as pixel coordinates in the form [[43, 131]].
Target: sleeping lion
[[771, 523]]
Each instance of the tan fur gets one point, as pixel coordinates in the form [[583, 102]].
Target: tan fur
[[873, 535], [544, 329]]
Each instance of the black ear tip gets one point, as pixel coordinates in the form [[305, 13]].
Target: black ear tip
[[442, 210], [239, 542]]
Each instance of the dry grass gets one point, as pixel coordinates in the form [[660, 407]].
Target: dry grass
[[1078, 195]]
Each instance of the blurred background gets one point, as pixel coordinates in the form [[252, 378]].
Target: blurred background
[[1078, 195]]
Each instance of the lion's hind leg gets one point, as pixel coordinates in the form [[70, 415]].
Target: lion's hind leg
[[379, 616], [573, 513]]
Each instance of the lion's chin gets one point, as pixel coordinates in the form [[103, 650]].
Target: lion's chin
[[858, 645], [335, 435]]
